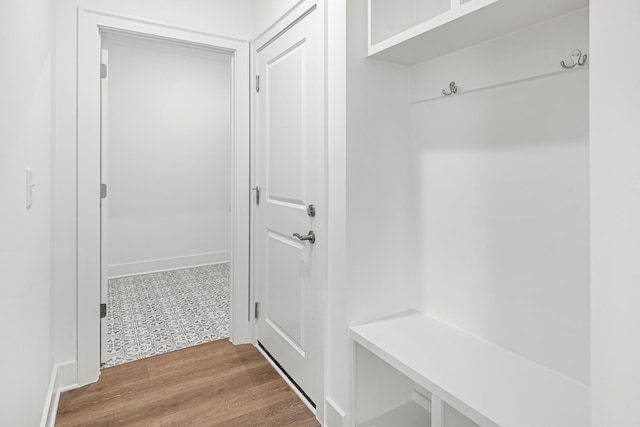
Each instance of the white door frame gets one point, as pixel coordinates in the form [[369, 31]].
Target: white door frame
[[104, 203], [90, 24]]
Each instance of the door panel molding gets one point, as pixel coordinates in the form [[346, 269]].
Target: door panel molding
[[290, 141]]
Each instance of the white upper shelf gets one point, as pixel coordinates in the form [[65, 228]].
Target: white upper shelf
[[465, 371], [408, 32]]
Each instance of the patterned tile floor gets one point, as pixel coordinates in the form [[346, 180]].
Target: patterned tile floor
[[159, 312]]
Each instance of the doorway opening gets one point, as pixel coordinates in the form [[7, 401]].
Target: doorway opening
[[166, 212], [92, 25]]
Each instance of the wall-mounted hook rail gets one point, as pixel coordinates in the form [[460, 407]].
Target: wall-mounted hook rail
[[452, 89], [577, 58]]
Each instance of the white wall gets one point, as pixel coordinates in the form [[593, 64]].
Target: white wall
[[378, 231], [26, 43], [377, 280], [615, 207], [265, 13], [230, 18], [501, 184], [336, 362], [169, 166]]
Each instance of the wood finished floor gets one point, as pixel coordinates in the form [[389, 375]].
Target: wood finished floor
[[213, 384]]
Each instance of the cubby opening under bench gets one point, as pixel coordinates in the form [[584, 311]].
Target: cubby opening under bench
[[413, 370]]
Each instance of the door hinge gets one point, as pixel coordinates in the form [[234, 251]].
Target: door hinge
[[103, 191], [256, 309], [257, 190], [103, 71], [103, 310], [257, 83]]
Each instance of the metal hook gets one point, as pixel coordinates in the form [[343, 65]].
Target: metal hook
[[452, 89], [577, 58]]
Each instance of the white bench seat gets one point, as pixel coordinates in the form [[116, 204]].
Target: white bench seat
[[466, 372]]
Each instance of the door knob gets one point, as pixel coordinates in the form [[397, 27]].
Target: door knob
[[311, 237]]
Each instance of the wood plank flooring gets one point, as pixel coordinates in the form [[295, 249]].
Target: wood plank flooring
[[213, 384]]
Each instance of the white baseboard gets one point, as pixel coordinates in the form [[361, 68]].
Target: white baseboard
[[63, 378], [50, 401], [67, 376], [156, 265], [334, 416]]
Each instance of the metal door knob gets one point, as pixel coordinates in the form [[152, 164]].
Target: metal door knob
[[311, 237]]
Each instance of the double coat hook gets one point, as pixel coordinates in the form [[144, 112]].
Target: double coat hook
[[452, 89], [577, 58]]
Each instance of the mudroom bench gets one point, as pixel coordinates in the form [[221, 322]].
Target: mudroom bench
[[413, 370]]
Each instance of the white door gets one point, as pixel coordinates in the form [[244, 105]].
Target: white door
[[104, 277], [290, 174]]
